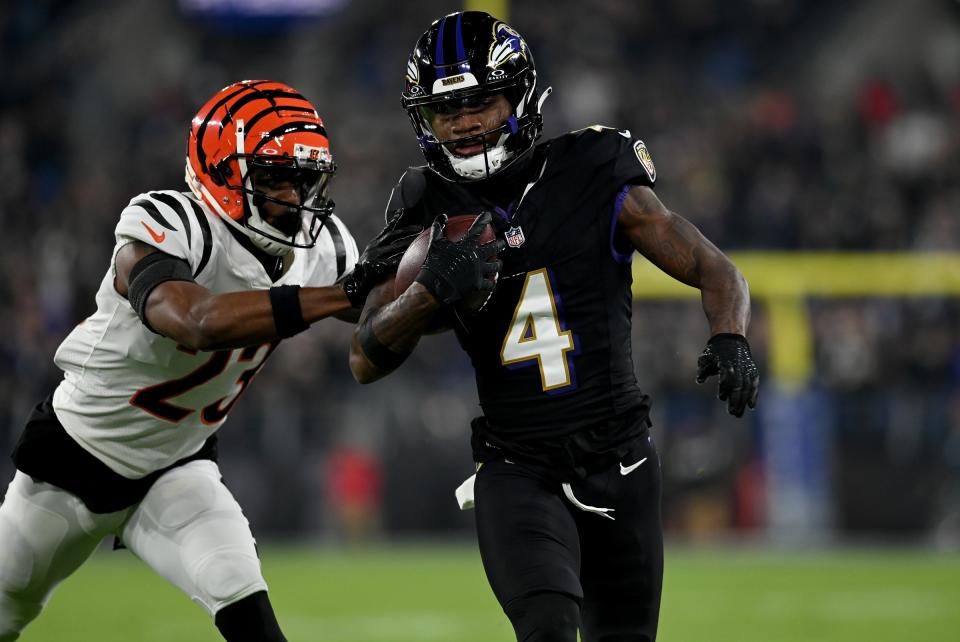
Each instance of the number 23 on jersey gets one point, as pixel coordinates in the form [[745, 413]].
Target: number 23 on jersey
[[156, 399], [535, 335]]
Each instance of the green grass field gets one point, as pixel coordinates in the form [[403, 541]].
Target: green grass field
[[422, 594]]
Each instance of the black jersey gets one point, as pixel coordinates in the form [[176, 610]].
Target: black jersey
[[551, 348]]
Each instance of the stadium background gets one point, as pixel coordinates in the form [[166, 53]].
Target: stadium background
[[815, 141]]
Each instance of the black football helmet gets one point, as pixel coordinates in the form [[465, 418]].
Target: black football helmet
[[462, 58]]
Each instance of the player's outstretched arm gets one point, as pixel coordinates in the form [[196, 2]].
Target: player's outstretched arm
[[379, 259], [172, 304], [678, 248]]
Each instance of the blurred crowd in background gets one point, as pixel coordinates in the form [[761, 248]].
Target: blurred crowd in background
[[775, 125]]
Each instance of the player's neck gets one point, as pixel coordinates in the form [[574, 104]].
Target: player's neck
[[275, 266]]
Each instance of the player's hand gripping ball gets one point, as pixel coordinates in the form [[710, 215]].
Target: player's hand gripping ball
[[454, 229]]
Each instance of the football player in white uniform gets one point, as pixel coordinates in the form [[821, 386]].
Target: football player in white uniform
[[202, 287]]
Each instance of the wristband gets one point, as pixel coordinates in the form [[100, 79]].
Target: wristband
[[378, 354], [287, 315]]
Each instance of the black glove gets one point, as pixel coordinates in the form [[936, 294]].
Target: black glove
[[728, 355], [453, 269], [379, 259]]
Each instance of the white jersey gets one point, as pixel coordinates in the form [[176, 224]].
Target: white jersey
[[138, 401]]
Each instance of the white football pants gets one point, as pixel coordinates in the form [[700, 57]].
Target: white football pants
[[188, 528]]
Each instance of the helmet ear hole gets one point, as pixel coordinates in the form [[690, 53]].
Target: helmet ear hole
[[214, 175], [220, 172]]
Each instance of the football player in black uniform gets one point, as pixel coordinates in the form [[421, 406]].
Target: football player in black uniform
[[567, 492]]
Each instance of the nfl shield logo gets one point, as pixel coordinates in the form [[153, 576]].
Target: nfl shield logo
[[515, 237]]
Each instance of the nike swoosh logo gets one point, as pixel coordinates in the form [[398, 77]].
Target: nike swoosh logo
[[626, 470], [625, 133], [156, 237]]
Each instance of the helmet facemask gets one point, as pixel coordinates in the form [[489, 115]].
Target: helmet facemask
[[300, 225], [502, 145]]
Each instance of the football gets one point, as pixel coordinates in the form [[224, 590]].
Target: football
[[416, 254]]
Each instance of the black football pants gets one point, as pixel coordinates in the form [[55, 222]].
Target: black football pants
[[540, 549]]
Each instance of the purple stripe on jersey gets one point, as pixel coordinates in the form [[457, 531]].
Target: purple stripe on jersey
[[499, 211], [619, 257]]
